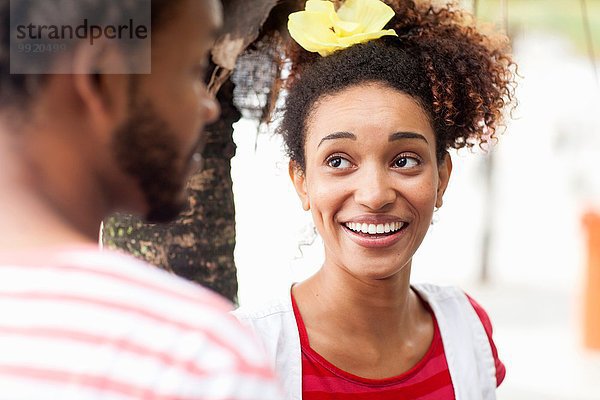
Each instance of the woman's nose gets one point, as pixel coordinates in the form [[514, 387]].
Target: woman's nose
[[374, 189]]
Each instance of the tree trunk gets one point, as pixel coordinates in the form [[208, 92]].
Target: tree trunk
[[199, 245]]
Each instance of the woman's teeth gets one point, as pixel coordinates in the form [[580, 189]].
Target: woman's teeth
[[374, 229]]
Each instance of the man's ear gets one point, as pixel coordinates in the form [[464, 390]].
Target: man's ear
[[444, 172], [104, 94], [299, 180]]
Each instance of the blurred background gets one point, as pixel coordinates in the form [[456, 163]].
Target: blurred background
[[511, 232]]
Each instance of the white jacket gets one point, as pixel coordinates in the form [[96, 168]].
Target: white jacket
[[466, 345]]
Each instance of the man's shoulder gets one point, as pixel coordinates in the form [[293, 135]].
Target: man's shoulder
[[119, 289], [125, 273], [139, 314]]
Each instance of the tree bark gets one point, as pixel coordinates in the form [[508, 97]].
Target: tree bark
[[199, 245]]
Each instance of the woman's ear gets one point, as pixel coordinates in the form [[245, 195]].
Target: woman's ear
[[444, 172], [299, 181]]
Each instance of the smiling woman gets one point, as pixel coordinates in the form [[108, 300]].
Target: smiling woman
[[367, 126], [377, 166]]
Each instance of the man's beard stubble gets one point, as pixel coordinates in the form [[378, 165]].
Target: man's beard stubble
[[144, 149]]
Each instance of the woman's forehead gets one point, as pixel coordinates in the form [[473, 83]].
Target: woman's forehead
[[369, 107]]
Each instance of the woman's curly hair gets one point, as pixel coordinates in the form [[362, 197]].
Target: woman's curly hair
[[461, 77]]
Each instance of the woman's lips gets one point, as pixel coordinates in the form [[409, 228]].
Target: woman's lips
[[374, 227], [375, 235]]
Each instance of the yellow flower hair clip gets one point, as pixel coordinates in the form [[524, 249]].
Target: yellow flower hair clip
[[320, 29]]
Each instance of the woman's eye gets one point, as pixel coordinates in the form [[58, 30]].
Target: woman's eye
[[406, 162], [338, 162]]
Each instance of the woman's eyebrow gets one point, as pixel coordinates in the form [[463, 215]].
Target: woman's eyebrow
[[338, 135], [406, 135]]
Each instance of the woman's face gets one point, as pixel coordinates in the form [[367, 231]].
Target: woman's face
[[371, 178]]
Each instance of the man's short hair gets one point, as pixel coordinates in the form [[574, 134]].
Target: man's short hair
[[17, 89]]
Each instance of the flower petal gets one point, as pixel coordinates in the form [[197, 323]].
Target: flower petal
[[313, 31], [324, 7], [347, 28], [365, 37], [320, 29], [321, 6], [373, 15]]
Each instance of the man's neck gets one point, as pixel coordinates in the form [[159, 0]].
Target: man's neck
[[31, 215], [27, 223]]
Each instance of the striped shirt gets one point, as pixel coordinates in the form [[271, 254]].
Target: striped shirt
[[429, 379], [85, 324]]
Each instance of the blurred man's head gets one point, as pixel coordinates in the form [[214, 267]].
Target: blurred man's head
[[126, 136]]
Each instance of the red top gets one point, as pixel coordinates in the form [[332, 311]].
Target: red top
[[429, 379]]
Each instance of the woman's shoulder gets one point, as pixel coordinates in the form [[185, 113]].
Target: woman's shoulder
[[273, 309], [450, 303], [487, 325], [274, 324], [436, 295]]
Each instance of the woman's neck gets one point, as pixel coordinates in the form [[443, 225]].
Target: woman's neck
[[384, 318], [369, 308]]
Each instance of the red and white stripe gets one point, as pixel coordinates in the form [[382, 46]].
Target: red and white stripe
[[84, 324]]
